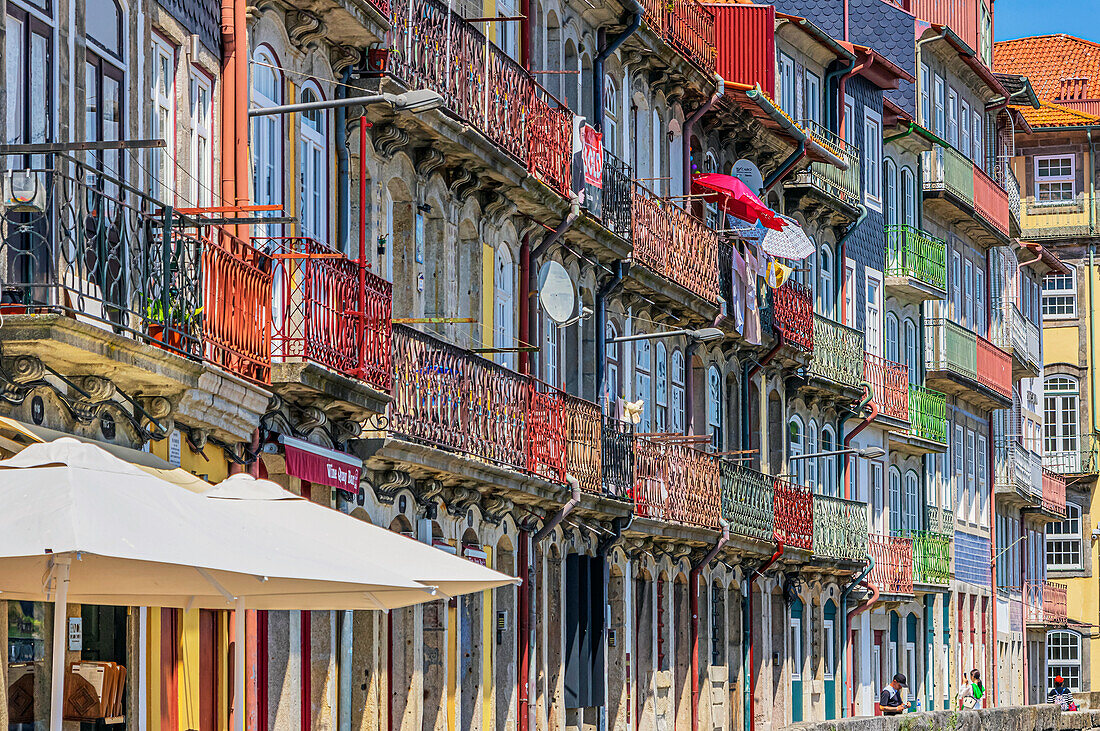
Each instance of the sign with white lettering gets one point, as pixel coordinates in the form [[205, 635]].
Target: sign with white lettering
[[593, 157], [175, 448], [321, 466], [76, 634]]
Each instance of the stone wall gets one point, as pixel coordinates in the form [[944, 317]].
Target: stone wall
[[1044, 717]]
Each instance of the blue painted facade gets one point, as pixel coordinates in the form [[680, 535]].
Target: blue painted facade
[[972, 559]]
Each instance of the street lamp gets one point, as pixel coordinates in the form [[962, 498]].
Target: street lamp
[[415, 101], [865, 452], [704, 335]]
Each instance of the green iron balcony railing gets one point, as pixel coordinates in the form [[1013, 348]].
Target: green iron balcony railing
[[830, 179], [927, 414], [946, 169], [931, 558], [941, 520], [913, 253], [952, 348], [747, 500], [838, 352], [840, 528]]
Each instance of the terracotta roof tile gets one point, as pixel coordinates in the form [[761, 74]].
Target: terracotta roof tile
[[1061, 67], [1054, 115]]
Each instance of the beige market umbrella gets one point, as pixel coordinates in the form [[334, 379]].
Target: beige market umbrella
[[78, 524]]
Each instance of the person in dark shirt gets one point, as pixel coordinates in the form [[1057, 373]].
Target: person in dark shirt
[[889, 701]]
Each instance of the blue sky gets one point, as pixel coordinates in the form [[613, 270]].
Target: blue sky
[[1019, 18]]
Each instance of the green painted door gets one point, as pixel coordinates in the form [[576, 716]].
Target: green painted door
[[796, 661], [830, 660]]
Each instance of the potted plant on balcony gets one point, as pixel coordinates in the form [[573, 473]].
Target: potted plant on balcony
[[170, 330]]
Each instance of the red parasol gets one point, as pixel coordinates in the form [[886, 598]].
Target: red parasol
[[735, 198]]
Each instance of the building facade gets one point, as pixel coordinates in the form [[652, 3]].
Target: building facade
[[745, 475]]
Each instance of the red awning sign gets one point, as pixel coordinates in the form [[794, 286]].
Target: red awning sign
[[321, 466]]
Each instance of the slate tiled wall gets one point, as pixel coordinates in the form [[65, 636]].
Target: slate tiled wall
[[201, 17]]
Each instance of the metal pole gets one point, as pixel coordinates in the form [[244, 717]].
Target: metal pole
[[362, 243], [323, 104], [60, 606], [238, 666]]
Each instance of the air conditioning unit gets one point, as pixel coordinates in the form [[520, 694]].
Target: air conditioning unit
[[24, 190]]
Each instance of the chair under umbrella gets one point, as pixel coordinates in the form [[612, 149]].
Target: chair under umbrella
[[78, 524]]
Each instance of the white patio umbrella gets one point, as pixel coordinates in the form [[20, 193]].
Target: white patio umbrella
[[79, 524]]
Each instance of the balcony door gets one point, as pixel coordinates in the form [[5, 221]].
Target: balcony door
[[872, 326], [1060, 409]]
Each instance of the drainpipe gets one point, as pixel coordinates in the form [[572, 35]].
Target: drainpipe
[[852, 71], [693, 577], [234, 118], [842, 268], [848, 629], [527, 607], [1092, 343], [606, 289], [689, 125], [830, 77], [749, 652], [844, 628], [632, 27], [865, 402], [343, 167], [689, 386], [528, 313], [787, 165]]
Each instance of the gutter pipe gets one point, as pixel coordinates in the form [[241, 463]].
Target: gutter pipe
[[527, 607], [693, 577], [842, 258], [343, 166], [749, 373], [865, 402], [844, 629], [852, 71], [921, 132], [606, 289], [528, 312], [848, 631], [597, 65], [749, 654], [786, 166], [1092, 309], [689, 126], [830, 77]]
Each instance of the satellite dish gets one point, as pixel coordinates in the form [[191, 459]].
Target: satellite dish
[[557, 295], [747, 172]]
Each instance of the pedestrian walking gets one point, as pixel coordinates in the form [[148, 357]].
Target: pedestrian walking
[[890, 701], [971, 691], [1061, 695]]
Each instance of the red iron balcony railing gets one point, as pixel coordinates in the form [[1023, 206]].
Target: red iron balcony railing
[[1054, 603], [599, 450], [237, 307], [330, 310], [994, 368], [890, 385], [687, 26], [792, 314], [1054, 493], [990, 200], [893, 571], [674, 243], [1031, 600], [435, 48], [794, 515], [675, 482]]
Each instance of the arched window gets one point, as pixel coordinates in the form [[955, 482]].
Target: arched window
[[676, 423], [553, 345], [1060, 412], [504, 305], [828, 480], [660, 185], [890, 172], [313, 166], [912, 351], [610, 113], [714, 407], [826, 276], [267, 137], [892, 347], [1064, 541], [611, 353], [660, 378], [643, 382], [796, 446], [895, 500], [1064, 658], [909, 196], [812, 464], [912, 505]]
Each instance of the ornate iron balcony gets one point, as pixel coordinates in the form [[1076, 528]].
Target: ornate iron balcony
[[840, 528], [927, 414], [932, 558], [913, 253], [838, 352], [747, 500]]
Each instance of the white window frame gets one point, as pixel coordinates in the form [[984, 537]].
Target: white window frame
[[952, 117], [201, 159], [714, 408], [829, 648], [890, 172], [313, 177], [796, 445], [643, 381], [968, 292], [872, 159], [1060, 296], [912, 350], [610, 113], [896, 523], [925, 96], [955, 283], [983, 480], [660, 382], [787, 84], [972, 477], [978, 148], [1048, 179], [826, 274], [1068, 664], [811, 96], [965, 139], [266, 140], [676, 392], [1069, 533], [939, 102], [909, 195], [1061, 414], [893, 337], [849, 292], [504, 316], [911, 490], [874, 310], [960, 467], [797, 658], [163, 117]]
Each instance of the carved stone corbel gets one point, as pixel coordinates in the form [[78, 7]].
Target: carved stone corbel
[[388, 139], [390, 482], [428, 160], [304, 28], [463, 182], [344, 57]]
